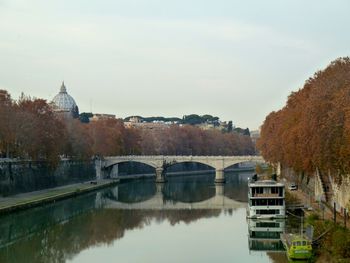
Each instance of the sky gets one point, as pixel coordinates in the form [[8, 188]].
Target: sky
[[238, 60]]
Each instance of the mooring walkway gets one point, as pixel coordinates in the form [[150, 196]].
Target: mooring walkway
[[312, 206], [36, 198]]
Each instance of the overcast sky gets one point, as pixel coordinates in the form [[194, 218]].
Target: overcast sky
[[238, 60]]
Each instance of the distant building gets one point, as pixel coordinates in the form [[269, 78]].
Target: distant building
[[221, 126], [254, 135], [206, 126], [136, 122], [102, 116], [64, 105], [135, 119], [147, 125]]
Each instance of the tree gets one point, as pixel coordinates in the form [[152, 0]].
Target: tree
[[229, 126], [79, 141], [7, 119], [84, 117], [75, 112], [39, 133], [313, 129], [259, 169]]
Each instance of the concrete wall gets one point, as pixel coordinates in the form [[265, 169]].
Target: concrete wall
[[26, 176], [341, 193], [313, 185], [320, 194], [304, 181]]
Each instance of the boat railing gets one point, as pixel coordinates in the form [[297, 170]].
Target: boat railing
[[266, 195]]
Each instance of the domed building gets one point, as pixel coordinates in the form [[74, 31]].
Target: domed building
[[64, 104]]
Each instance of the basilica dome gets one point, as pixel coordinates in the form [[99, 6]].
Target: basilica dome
[[63, 102]]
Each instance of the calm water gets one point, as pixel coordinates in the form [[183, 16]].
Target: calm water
[[188, 219]]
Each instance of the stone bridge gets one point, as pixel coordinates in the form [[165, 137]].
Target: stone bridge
[[161, 162]]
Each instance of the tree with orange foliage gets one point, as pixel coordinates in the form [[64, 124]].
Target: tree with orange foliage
[[313, 129], [7, 133], [39, 133], [107, 137]]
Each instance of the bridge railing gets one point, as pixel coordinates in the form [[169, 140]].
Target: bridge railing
[[171, 156]]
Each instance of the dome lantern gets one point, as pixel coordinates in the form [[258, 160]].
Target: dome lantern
[[63, 88]]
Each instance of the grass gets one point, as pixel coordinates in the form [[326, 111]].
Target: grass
[[335, 245], [291, 198]]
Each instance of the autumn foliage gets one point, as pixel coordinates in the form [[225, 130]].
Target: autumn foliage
[[313, 128], [191, 140], [29, 129]]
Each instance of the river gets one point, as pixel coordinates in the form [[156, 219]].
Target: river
[[188, 219]]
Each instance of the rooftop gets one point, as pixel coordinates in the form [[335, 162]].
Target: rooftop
[[265, 183]]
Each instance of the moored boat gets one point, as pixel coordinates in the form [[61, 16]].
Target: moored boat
[[298, 247], [266, 199]]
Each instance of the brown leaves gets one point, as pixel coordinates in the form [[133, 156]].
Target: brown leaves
[[30, 129], [191, 140], [313, 129]]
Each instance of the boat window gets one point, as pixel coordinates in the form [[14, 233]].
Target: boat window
[[294, 243], [259, 190], [304, 243], [274, 190], [280, 191], [265, 202], [267, 212], [298, 243], [267, 224]]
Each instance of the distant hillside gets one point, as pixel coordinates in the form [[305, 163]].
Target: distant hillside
[[191, 119], [194, 119]]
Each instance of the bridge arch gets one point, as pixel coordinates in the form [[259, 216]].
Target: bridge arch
[[231, 164], [112, 169], [160, 163], [154, 165], [190, 161]]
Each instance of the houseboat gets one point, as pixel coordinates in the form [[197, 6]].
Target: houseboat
[[266, 199]]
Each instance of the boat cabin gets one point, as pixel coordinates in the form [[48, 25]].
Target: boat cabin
[[266, 199]]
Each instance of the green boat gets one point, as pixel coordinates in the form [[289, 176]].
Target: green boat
[[298, 247]]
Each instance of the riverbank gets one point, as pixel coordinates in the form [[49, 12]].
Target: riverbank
[[37, 198], [25, 176], [335, 242]]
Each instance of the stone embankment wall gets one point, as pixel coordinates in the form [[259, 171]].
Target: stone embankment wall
[[27, 176], [341, 193], [313, 185], [304, 182]]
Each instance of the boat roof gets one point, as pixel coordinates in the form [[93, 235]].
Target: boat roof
[[265, 183], [289, 238]]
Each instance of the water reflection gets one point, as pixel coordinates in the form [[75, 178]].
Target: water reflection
[[264, 235], [64, 231], [189, 189]]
